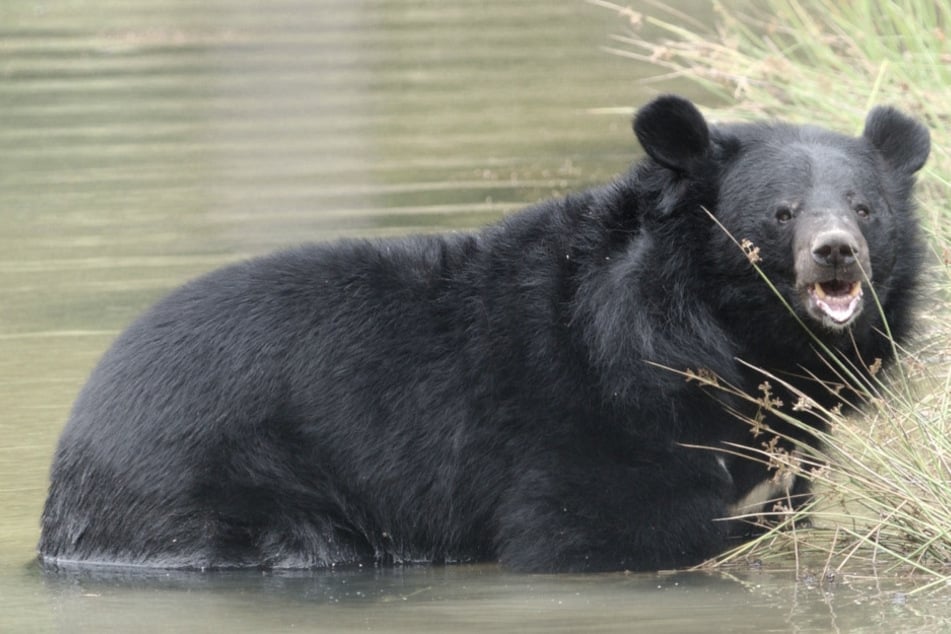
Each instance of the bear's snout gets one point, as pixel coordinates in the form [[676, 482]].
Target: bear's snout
[[835, 248], [832, 263]]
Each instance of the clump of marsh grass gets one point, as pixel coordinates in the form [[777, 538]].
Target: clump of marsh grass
[[883, 473], [882, 476]]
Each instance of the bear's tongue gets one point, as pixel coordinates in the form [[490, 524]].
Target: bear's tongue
[[837, 298]]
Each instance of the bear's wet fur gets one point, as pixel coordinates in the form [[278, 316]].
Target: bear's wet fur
[[504, 395]]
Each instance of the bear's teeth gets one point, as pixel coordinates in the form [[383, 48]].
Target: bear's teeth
[[836, 289], [840, 307]]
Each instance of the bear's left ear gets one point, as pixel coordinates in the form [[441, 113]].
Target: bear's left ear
[[903, 142], [672, 132]]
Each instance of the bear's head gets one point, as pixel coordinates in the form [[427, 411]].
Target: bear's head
[[828, 217]]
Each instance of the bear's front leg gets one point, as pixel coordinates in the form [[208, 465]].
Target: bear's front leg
[[664, 511]]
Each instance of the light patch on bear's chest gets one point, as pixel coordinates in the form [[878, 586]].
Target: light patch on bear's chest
[[754, 502], [761, 497]]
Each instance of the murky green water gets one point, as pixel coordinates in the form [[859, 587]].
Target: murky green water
[[144, 142]]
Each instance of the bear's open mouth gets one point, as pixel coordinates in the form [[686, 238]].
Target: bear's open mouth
[[838, 300]]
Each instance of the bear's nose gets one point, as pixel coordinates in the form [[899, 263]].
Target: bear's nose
[[834, 248]]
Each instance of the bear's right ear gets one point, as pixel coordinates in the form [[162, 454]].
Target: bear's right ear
[[903, 142], [672, 132]]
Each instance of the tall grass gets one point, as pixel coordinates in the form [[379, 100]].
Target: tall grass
[[883, 474]]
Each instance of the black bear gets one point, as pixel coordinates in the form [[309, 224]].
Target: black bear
[[503, 395]]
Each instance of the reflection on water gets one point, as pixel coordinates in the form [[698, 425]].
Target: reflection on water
[[466, 598], [144, 142]]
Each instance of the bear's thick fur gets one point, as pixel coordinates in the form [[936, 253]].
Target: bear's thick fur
[[499, 395]]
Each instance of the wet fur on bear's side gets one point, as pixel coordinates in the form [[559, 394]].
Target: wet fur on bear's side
[[496, 395]]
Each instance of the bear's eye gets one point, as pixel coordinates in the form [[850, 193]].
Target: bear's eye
[[863, 211], [783, 215]]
